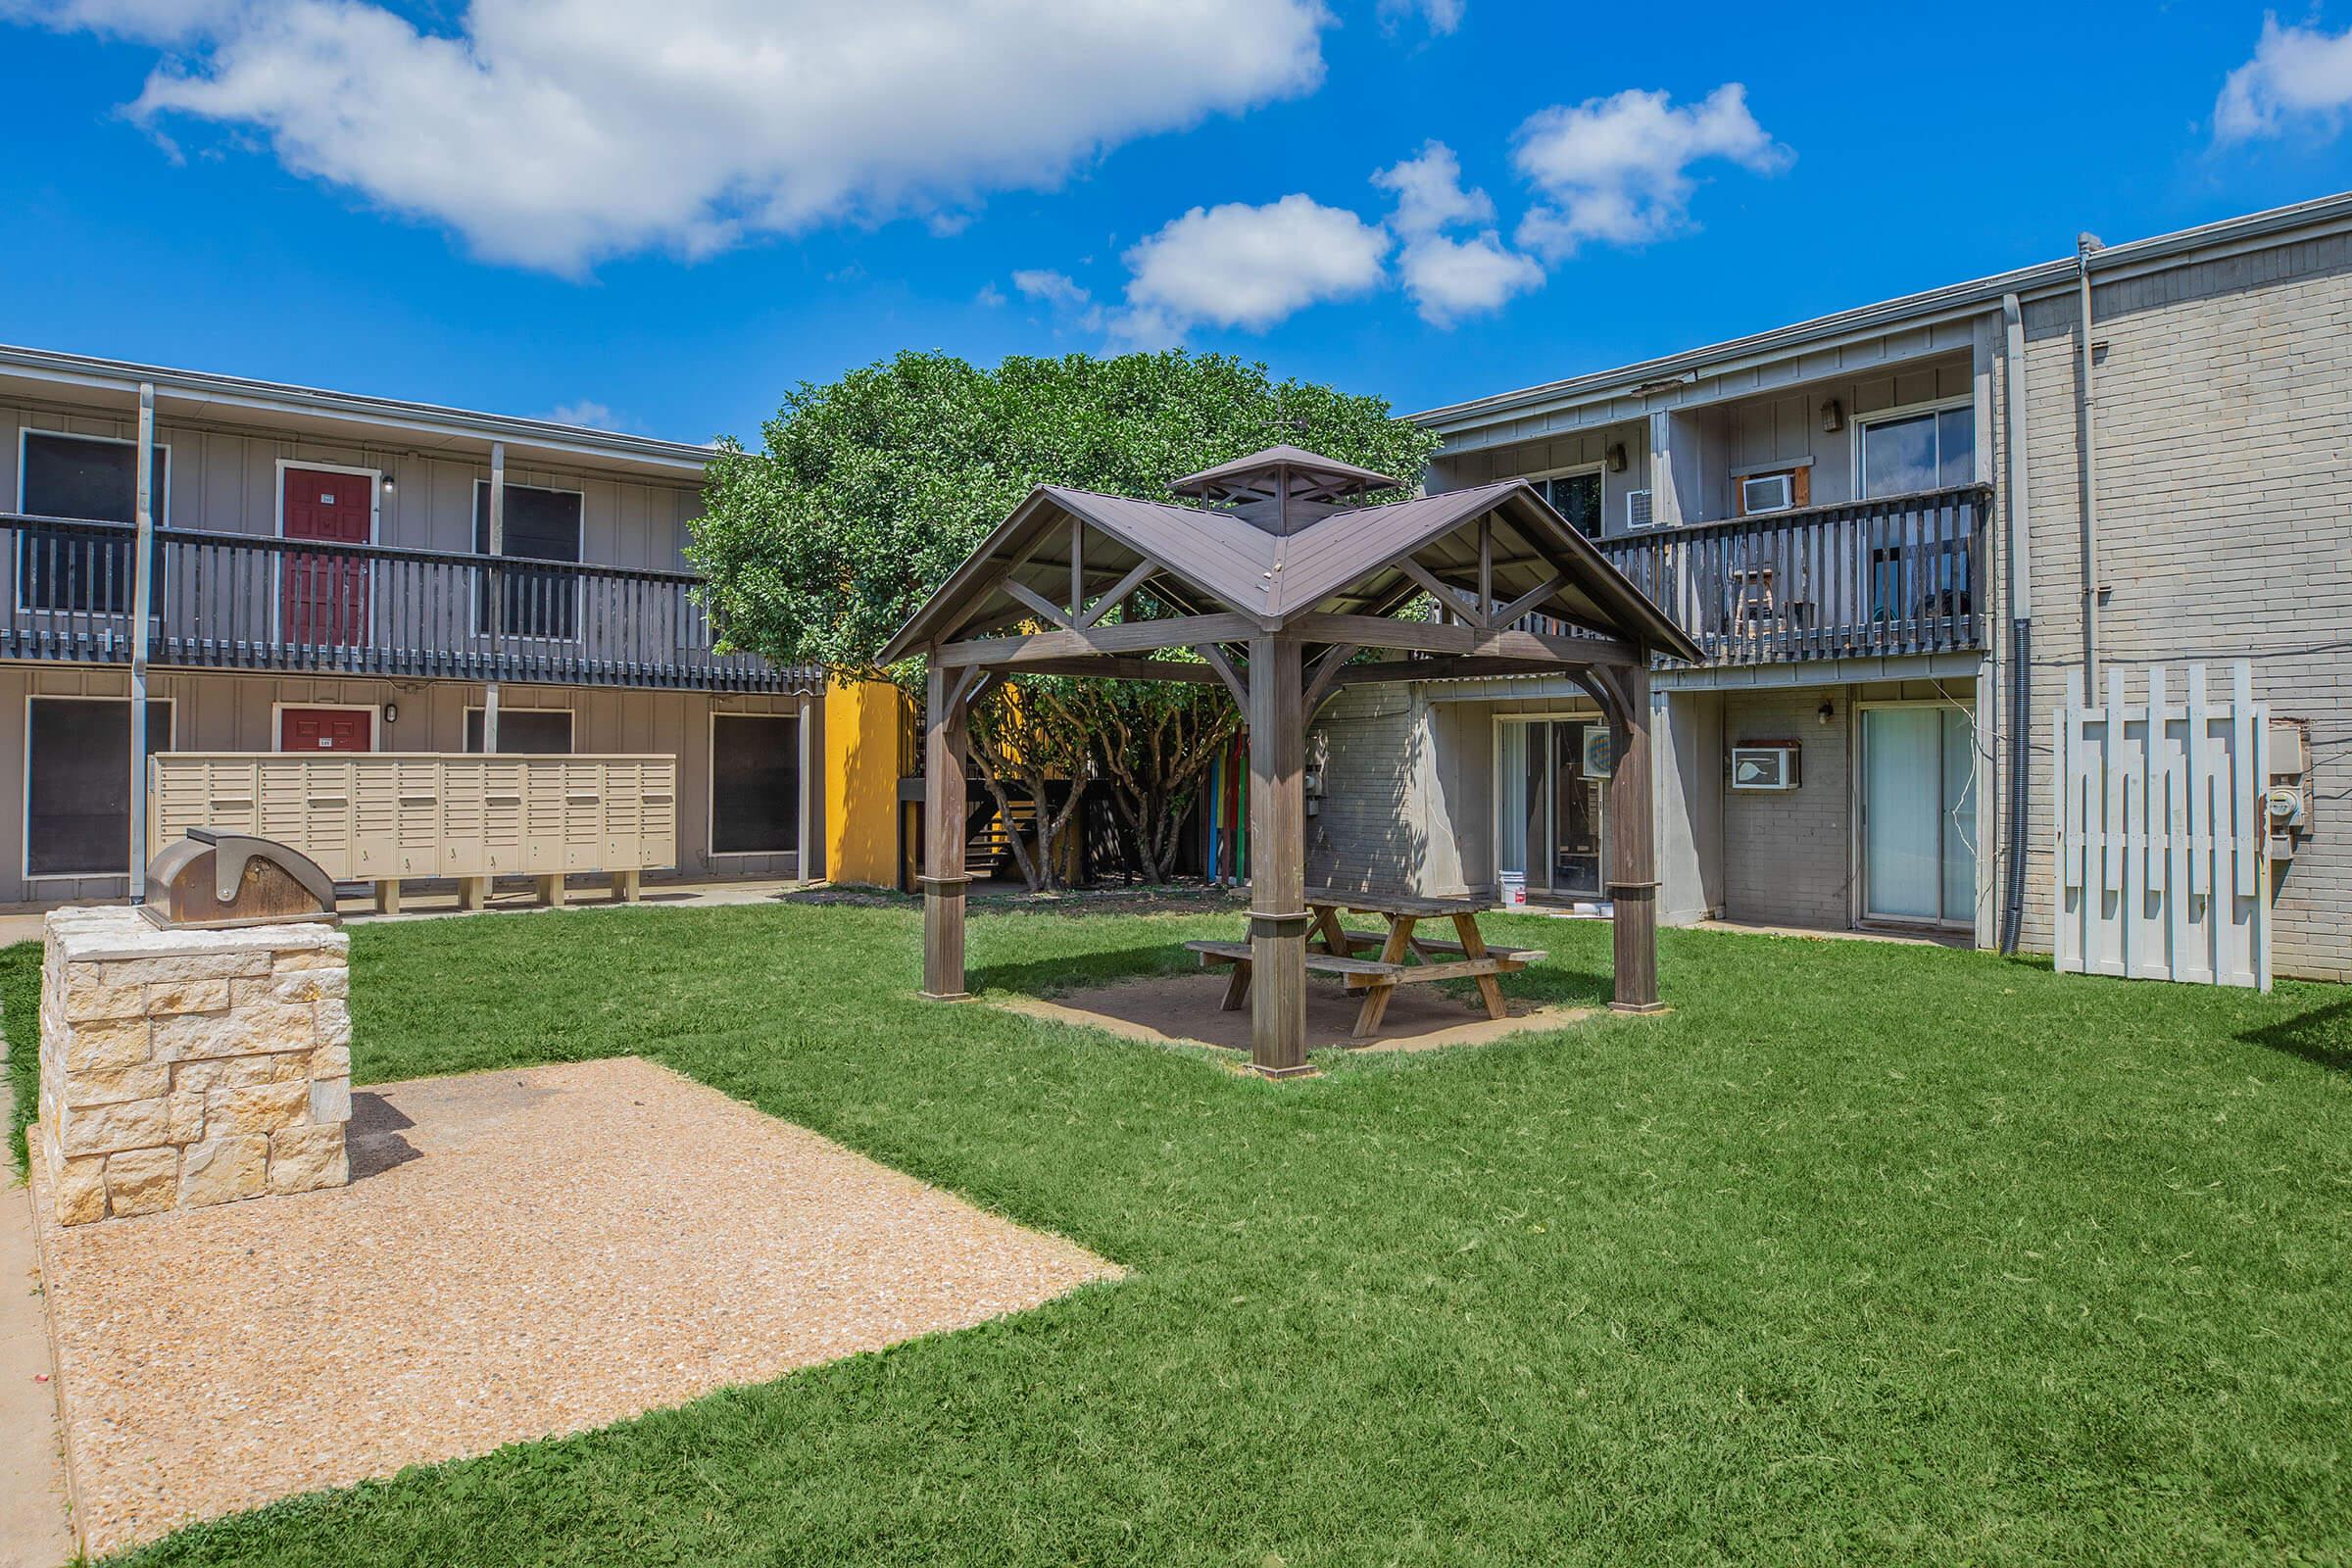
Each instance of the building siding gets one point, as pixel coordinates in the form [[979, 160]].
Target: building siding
[[226, 481], [239, 713]]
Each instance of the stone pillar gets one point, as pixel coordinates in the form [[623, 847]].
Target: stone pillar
[[180, 1068]]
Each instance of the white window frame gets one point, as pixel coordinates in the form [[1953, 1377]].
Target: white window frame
[[376, 519], [1575, 470], [1591, 714], [376, 729], [579, 585], [1861, 425], [802, 825], [163, 511], [25, 782], [505, 708]]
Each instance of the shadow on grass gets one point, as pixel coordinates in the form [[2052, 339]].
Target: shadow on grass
[[2322, 1037], [1046, 977]]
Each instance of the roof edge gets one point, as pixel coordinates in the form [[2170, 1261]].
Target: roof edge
[[88, 369], [2272, 224]]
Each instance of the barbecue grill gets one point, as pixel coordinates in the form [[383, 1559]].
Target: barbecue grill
[[211, 880]]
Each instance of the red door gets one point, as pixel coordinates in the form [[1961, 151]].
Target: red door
[[326, 729], [324, 598]]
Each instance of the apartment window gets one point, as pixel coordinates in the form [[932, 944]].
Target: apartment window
[[755, 784], [1929, 451], [540, 526], [91, 479], [524, 732], [1576, 497], [77, 783]]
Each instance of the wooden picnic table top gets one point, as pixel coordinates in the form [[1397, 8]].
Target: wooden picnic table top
[[1395, 904]]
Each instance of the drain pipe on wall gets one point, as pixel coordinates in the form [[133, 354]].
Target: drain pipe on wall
[[2086, 406], [2020, 612]]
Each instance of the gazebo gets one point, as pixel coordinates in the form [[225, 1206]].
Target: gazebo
[[1279, 577]]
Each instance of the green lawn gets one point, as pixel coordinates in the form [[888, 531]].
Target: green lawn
[[1864, 1252]]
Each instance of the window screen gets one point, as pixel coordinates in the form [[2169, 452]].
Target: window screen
[[90, 480], [77, 783], [755, 784], [540, 731], [540, 526]]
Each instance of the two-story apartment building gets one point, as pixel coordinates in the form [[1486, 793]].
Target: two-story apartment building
[[325, 576], [1894, 530]]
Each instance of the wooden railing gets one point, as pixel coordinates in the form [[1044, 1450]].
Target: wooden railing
[[235, 600], [1900, 575]]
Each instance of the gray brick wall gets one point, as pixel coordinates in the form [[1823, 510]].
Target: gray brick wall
[[2225, 492], [1787, 857]]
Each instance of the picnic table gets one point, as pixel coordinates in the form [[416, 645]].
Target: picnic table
[[1405, 959]]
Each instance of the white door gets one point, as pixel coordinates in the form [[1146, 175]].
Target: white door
[[1919, 858]]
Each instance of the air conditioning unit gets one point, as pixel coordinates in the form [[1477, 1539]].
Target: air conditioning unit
[[1767, 492], [1769, 765], [1636, 508]]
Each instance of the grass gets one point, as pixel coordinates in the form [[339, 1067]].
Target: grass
[[1863, 1253]]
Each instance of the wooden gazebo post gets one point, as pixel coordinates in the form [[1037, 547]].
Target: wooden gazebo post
[[1632, 845], [943, 880], [1278, 912]]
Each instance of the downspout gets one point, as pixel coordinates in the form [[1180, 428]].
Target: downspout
[[142, 604], [2021, 613], [2086, 406]]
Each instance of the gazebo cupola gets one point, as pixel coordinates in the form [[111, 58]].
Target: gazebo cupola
[[1283, 488], [1281, 584]]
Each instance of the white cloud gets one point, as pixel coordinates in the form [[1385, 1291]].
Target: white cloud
[[1450, 278], [1246, 267], [1442, 15], [1057, 289], [2298, 75], [553, 133], [1618, 168], [990, 296], [588, 413]]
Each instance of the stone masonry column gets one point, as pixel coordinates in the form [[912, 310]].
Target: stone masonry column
[[182, 1068]]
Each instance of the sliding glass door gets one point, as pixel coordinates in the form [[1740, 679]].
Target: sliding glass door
[[1919, 813], [1552, 773]]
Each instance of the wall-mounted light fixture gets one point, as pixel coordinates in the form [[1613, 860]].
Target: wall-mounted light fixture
[[1826, 713], [1616, 456], [391, 713], [390, 484], [1833, 415]]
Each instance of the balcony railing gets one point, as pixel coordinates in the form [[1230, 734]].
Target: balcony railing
[[234, 600], [1900, 576]]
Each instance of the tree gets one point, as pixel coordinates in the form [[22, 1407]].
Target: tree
[[868, 491]]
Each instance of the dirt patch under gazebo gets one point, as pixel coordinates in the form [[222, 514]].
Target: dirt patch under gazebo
[[1181, 1009], [519, 1254]]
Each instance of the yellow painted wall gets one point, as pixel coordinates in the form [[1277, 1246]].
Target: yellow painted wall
[[866, 728]]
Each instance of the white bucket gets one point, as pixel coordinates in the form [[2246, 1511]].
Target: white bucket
[[1514, 888]]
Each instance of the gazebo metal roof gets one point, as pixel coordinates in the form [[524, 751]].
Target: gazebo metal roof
[[1277, 584]]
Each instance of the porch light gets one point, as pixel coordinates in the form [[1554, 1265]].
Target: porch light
[[390, 484], [1616, 456], [391, 713], [1833, 416], [1826, 713]]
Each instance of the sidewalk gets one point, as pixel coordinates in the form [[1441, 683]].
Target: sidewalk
[[32, 1478]]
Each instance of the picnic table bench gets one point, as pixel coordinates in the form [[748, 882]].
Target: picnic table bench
[[1405, 959]]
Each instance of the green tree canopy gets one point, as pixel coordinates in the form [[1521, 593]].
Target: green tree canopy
[[870, 490]]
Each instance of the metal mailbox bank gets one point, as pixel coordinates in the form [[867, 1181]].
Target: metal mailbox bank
[[389, 817]]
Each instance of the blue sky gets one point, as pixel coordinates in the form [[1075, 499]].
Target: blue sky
[[660, 217]]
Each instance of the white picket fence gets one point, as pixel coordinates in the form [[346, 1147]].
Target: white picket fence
[[2162, 843]]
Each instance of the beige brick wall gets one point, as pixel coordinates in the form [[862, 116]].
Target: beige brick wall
[[2224, 495]]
